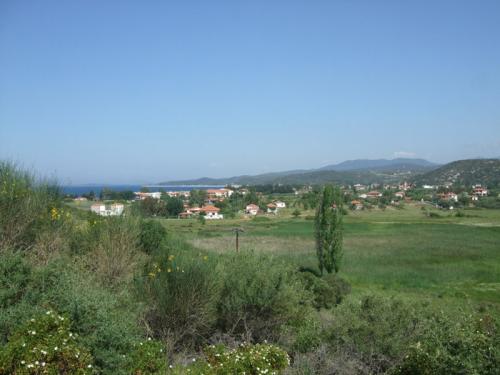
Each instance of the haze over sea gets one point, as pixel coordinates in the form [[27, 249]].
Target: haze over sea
[[85, 189]]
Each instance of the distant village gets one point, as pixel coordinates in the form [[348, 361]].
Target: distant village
[[357, 197]]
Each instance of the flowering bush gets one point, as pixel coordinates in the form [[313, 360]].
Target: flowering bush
[[45, 345], [147, 357], [245, 359]]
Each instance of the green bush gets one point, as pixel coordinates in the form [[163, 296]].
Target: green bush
[[245, 359], [327, 291], [106, 321], [45, 345], [151, 235], [260, 296], [181, 290], [147, 357], [28, 206], [386, 335], [462, 344]]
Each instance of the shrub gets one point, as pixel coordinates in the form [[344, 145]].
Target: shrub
[[245, 359], [105, 326], [113, 244], [151, 235], [25, 206], [461, 344], [181, 290], [147, 357], [260, 296], [45, 345], [327, 291]]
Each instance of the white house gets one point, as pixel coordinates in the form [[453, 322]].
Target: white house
[[479, 191], [141, 196], [272, 208], [212, 212], [280, 204], [116, 209], [252, 209], [400, 194], [99, 209]]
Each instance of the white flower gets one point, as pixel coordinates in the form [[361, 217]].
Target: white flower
[[43, 364], [89, 366], [23, 362], [56, 348]]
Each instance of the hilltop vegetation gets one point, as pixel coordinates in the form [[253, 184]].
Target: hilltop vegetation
[[464, 173], [348, 172]]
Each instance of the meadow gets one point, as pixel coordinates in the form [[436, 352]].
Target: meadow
[[393, 251]]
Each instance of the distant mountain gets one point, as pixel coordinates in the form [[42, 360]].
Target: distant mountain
[[464, 172], [381, 164], [348, 172]]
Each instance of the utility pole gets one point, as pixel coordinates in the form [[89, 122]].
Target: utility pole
[[237, 231]]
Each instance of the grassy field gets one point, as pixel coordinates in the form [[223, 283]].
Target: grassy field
[[395, 251]]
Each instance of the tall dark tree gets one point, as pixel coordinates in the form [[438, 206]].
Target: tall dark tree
[[329, 229]]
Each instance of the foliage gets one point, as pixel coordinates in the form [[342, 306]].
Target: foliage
[[327, 291], [105, 327], [251, 359], [296, 213], [113, 244], [147, 357], [45, 345], [181, 290], [151, 235], [462, 344], [260, 296], [25, 206], [329, 230]]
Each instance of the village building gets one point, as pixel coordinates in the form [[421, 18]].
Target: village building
[[374, 194], [212, 212], [99, 208], [448, 196], [219, 193], [400, 194], [80, 199], [178, 194], [405, 186], [252, 209], [359, 187], [479, 191], [357, 205], [280, 204], [272, 208], [141, 196]]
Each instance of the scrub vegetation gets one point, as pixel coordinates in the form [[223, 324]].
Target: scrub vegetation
[[413, 293]]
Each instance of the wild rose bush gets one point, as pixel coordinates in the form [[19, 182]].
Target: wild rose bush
[[45, 345]]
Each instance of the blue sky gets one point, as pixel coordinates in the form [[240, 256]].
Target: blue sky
[[145, 91]]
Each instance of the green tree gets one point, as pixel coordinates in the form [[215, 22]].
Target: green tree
[[175, 206], [296, 213], [329, 229]]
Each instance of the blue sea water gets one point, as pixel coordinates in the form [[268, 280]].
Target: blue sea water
[[85, 189]]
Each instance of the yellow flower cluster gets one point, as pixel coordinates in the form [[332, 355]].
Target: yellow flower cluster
[[170, 267], [55, 214]]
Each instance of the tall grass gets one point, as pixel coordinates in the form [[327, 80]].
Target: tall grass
[[25, 205]]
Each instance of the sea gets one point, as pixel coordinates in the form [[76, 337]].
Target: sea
[[86, 189]]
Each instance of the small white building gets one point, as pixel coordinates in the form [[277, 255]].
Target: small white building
[[141, 196], [252, 209], [272, 208], [479, 191], [212, 212], [116, 209], [280, 204]]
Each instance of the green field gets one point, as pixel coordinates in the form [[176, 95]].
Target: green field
[[395, 251]]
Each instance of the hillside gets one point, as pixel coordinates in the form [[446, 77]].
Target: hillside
[[348, 172], [464, 172], [381, 164]]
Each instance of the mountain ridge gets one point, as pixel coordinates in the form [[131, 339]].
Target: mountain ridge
[[350, 171]]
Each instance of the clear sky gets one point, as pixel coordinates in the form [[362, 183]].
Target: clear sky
[[145, 91]]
